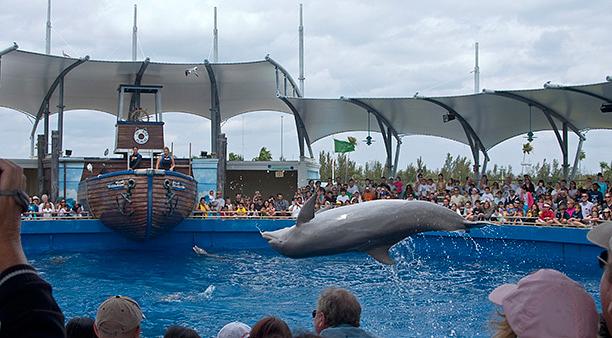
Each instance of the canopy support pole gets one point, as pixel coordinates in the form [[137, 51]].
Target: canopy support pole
[[398, 145], [296, 92], [60, 117], [303, 137], [474, 140], [386, 129], [46, 130], [577, 158], [215, 110], [44, 105], [135, 100], [549, 113]]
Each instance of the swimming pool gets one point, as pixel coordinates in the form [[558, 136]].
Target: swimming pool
[[430, 292]]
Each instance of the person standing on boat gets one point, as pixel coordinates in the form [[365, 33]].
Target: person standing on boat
[[166, 160], [135, 159]]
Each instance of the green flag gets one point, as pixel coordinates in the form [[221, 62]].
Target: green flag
[[343, 146]]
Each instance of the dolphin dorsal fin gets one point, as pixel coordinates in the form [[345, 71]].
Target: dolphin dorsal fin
[[381, 254], [308, 210]]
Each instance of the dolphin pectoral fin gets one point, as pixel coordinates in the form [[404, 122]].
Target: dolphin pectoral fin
[[381, 254], [308, 210]]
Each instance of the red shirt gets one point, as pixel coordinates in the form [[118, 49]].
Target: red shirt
[[547, 214]]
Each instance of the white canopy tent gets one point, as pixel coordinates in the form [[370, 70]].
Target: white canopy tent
[[480, 120], [37, 83]]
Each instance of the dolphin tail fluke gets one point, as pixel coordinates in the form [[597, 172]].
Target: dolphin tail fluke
[[381, 254]]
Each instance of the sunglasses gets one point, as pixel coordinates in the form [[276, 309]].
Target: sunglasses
[[314, 312]]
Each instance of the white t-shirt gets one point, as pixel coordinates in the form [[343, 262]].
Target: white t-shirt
[[342, 198], [487, 196], [352, 189]]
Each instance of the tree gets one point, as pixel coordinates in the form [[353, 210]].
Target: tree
[[235, 157], [264, 155]]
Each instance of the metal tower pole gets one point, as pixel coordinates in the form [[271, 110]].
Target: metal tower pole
[[134, 35], [282, 158], [476, 70], [48, 37], [301, 57], [215, 40]]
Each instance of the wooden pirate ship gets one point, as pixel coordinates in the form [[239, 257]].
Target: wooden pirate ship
[[140, 203]]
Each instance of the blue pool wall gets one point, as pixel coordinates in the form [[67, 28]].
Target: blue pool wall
[[567, 245]]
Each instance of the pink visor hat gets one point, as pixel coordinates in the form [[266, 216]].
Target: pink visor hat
[[547, 303]]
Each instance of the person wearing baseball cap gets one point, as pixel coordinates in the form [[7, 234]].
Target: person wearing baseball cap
[[543, 304], [118, 317], [601, 236]]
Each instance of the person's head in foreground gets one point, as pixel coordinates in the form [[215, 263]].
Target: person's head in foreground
[[234, 330], [80, 327], [118, 317], [545, 303], [602, 236], [180, 332], [338, 312], [270, 327]]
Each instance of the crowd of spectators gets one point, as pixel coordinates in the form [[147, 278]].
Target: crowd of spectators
[[43, 208], [513, 201]]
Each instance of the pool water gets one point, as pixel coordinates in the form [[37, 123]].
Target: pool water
[[441, 296]]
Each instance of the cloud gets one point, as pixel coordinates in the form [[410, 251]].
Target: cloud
[[353, 48]]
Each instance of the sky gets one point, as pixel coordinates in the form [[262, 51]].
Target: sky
[[352, 48]]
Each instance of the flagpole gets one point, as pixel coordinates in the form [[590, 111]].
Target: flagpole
[[333, 168], [347, 167]]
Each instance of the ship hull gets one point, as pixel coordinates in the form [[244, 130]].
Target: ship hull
[[140, 204]]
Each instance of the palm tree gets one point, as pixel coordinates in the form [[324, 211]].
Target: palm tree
[[264, 155]]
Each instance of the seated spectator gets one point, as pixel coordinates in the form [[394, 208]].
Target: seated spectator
[[241, 210], [47, 210], [593, 219], [210, 198], [545, 303], [77, 210], [369, 194], [512, 198], [45, 199], [606, 215], [338, 314], [352, 187], [457, 198], [62, 209], [595, 195], [203, 206], [80, 327], [343, 197], [474, 195], [118, 317], [280, 204], [33, 206], [356, 198], [268, 209], [546, 216], [487, 195], [180, 332], [234, 330], [585, 205], [270, 327], [295, 208], [533, 212]]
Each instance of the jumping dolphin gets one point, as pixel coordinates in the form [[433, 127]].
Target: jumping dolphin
[[372, 227]]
